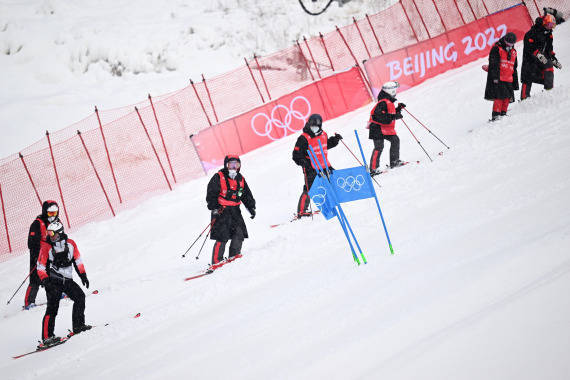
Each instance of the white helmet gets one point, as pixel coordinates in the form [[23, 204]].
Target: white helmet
[[55, 228], [390, 88]]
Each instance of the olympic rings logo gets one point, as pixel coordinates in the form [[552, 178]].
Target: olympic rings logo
[[351, 183], [320, 199], [272, 121]]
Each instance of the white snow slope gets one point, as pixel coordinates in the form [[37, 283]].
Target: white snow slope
[[477, 288]]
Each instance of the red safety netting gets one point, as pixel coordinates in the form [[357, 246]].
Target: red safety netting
[[116, 163]]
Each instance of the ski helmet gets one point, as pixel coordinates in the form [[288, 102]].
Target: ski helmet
[[548, 21], [315, 124], [510, 38], [390, 88], [55, 230], [50, 210], [232, 162]]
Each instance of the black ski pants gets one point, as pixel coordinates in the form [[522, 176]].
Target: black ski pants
[[309, 175], [379, 146], [237, 239], [54, 288]]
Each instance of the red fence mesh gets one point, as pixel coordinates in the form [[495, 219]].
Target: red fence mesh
[[116, 138]]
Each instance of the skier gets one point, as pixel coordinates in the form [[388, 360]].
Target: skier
[[502, 78], [226, 191], [37, 234], [54, 269], [382, 127], [538, 56], [312, 134]]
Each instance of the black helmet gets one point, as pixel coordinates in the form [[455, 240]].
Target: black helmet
[[233, 158], [50, 210], [510, 38], [315, 120]]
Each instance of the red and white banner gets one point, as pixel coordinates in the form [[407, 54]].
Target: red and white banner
[[414, 64], [331, 97]]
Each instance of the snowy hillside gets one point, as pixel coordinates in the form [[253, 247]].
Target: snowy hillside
[[60, 59], [477, 288]]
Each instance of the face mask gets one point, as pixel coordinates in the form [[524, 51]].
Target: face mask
[[315, 129], [232, 173], [51, 219]]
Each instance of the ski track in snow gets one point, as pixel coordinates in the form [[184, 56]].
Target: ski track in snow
[[477, 288]]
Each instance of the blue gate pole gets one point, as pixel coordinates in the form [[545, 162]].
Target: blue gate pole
[[316, 164], [339, 207], [375, 197]]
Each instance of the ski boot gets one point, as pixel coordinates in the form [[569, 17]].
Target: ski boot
[[48, 342], [30, 306], [397, 163]]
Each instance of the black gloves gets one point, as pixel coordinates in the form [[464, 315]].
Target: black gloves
[[338, 136], [400, 106], [84, 280], [252, 212], [556, 64], [217, 211]]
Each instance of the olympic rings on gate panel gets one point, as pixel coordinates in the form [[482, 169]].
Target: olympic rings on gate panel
[[272, 121], [321, 197], [350, 183]]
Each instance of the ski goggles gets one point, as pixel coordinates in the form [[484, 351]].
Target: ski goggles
[[52, 233], [52, 213], [234, 165]]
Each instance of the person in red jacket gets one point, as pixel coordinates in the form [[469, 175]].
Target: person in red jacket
[[312, 134], [37, 234], [502, 78], [57, 256], [382, 127], [226, 191], [539, 58]]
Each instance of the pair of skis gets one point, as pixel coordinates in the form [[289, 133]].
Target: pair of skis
[[213, 268], [64, 298], [297, 217], [42, 348]]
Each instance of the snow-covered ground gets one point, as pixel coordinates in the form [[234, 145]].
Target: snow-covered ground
[[59, 59], [477, 288]]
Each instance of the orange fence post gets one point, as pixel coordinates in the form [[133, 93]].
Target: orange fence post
[[200, 100], [312, 58], [409, 22], [5, 222], [439, 14], [30, 177], [153, 148], [95, 170], [470, 7], [374, 33], [262, 77], [362, 38], [353, 57], [57, 178], [254, 81], [161, 137], [421, 18], [210, 98], [305, 60], [458, 11], [326, 50], [108, 156]]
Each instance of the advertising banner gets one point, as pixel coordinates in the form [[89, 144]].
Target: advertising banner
[[416, 63], [331, 97]]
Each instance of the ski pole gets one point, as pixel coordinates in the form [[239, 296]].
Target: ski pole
[[13, 295], [201, 233], [418, 141], [433, 134], [206, 238], [357, 160]]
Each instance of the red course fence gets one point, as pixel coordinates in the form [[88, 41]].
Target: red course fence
[[114, 159]]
